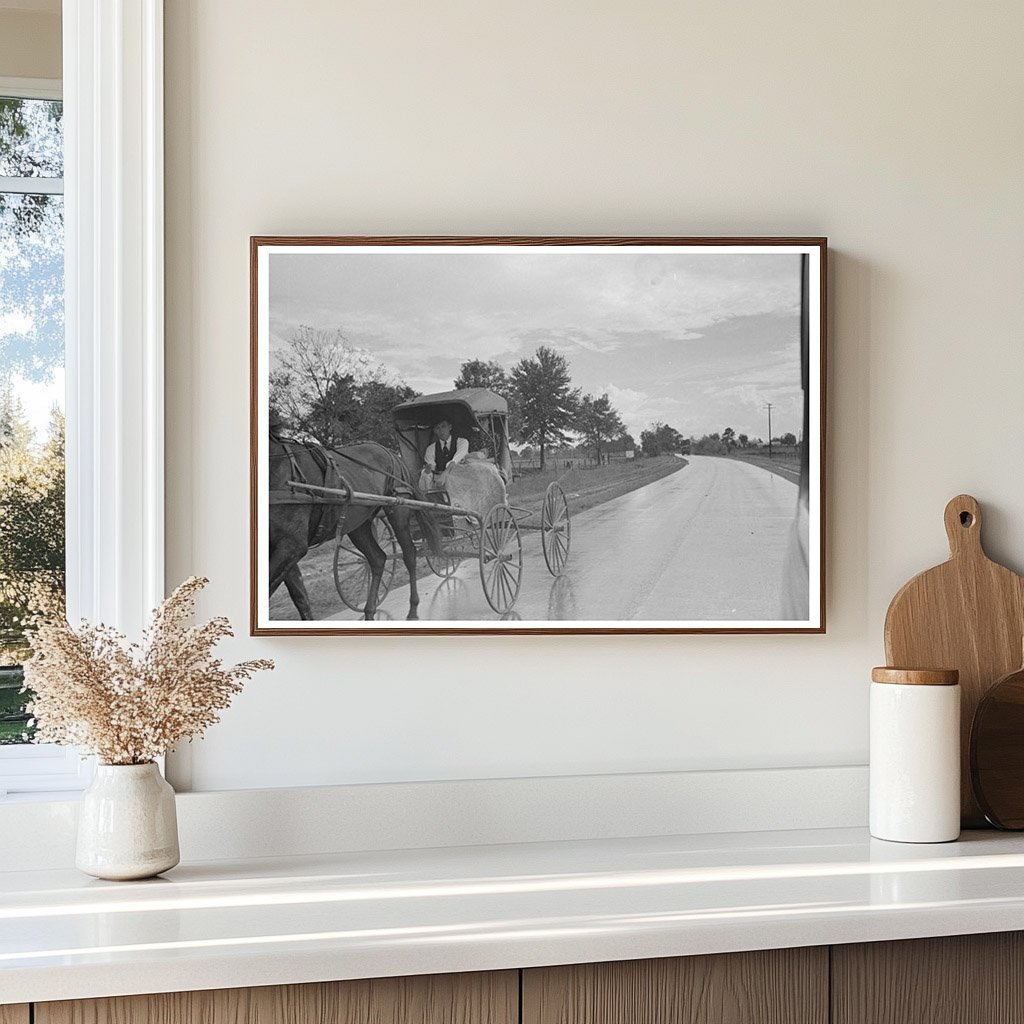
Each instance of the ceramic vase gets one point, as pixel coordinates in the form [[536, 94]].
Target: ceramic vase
[[127, 825]]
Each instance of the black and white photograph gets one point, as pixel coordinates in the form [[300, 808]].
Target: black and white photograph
[[537, 435]]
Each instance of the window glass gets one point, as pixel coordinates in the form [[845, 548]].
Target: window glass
[[31, 138], [31, 386]]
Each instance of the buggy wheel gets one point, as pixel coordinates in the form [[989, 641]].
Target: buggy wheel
[[555, 531], [501, 558], [352, 571], [441, 565]]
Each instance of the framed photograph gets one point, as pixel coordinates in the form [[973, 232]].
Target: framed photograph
[[537, 435]]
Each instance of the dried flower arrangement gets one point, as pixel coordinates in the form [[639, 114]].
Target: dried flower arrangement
[[130, 703]]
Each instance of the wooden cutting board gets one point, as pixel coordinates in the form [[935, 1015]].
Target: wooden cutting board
[[997, 752], [967, 614]]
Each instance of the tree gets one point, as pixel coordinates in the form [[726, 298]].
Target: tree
[[789, 438], [328, 417], [372, 420], [324, 389], [729, 438], [547, 404], [598, 422], [31, 524], [475, 373], [743, 440], [661, 439], [712, 444]]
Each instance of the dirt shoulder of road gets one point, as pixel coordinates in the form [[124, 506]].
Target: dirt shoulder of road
[[587, 488]]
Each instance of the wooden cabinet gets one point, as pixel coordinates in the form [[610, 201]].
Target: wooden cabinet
[[779, 986], [973, 979], [964, 979], [491, 998]]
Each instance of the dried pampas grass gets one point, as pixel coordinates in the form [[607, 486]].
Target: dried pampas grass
[[130, 703]]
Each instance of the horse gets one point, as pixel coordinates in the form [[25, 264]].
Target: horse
[[299, 521]]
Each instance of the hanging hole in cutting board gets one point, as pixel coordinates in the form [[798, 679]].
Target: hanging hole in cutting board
[[966, 519]]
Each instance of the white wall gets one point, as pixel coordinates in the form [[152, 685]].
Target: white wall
[[894, 129]]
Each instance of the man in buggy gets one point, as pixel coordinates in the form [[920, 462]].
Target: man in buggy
[[446, 449]]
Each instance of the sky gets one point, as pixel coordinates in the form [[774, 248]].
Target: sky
[[701, 341], [31, 272]]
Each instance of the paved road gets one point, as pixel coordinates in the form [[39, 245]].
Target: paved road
[[705, 543]]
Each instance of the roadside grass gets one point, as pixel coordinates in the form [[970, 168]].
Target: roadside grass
[[787, 465], [587, 488], [584, 488]]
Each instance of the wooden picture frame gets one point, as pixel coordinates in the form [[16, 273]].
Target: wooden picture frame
[[610, 472]]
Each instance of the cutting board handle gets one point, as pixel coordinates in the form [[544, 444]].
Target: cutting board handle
[[963, 526]]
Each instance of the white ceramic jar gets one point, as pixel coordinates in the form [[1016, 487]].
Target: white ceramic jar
[[915, 755], [127, 823]]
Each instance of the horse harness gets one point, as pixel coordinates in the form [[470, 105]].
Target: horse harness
[[396, 482]]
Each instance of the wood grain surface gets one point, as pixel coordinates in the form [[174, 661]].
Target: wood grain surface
[[915, 676], [966, 979], [783, 986], [997, 752], [967, 614], [15, 1014], [483, 998]]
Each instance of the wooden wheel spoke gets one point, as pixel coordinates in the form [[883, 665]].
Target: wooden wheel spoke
[[513, 575], [495, 568], [506, 589], [498, 590]]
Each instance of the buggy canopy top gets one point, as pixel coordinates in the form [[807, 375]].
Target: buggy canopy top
[[461, 408]]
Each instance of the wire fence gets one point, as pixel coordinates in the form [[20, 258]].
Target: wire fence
[[563, 461]]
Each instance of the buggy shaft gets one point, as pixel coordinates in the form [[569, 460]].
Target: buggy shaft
[[350, 497]]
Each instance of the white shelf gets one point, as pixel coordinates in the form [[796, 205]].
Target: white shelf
[[352, 915]]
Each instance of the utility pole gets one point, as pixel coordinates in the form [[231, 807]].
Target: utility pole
[[769, 404]]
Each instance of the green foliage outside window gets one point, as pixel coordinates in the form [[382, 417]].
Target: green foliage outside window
[[32, 547]]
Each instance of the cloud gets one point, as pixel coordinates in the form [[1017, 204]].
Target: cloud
[[15, 321], [696, 341]]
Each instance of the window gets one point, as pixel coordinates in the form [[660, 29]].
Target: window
[[113, 331], [32, 532], [31, 381]]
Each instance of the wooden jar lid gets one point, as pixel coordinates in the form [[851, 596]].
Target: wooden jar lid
[[916, 676]]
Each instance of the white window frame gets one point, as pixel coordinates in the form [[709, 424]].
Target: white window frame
[[114, 336]]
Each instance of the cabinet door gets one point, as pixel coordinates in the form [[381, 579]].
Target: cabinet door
[[491, 998], [963, 979], [14, 1014], [779, 986]]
